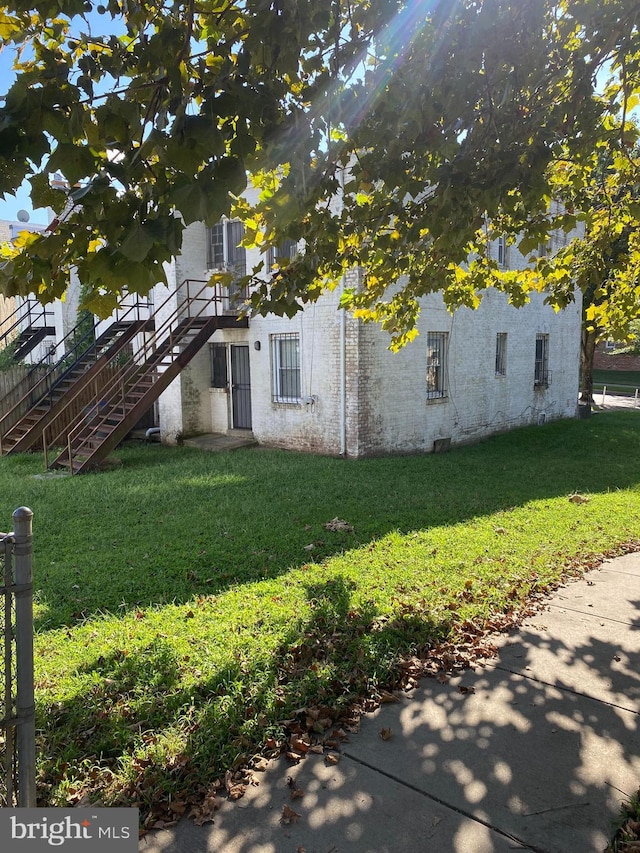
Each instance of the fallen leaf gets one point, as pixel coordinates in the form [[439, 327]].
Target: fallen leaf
[[501, 530], [462, 689], [288, 815], [309, 547], [204, 813], [576, 498], [337, 525], [332, 758], [299, 745], [386, 696], [385, 734]]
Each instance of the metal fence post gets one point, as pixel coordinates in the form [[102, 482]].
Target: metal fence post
[[25, 703]]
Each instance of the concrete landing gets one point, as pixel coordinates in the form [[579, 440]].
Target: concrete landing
[[219, 441]]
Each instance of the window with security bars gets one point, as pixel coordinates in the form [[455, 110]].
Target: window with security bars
[[219, 375], [501, 354], [541, 371], [285, 356], [502, 251], [436, 365]]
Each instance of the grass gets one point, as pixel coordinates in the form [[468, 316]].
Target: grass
[[625, 380], [189, 604], [627, 836]]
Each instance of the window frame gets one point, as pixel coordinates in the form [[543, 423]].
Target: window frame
[[502, 251], [437, 364], [287, 250], [501, 354], [283, 373], [541, 375], [226, 253], [219, 378]]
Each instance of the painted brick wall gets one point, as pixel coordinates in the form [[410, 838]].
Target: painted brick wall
[[386, 409], [399, 418]]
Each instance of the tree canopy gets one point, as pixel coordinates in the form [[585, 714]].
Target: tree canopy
[[397, 135]]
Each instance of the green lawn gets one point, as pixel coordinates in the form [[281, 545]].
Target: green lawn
[[188, 603], [625, 380]]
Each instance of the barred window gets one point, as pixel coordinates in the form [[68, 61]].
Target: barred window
[[541, 371], [219, 377], [501, 354], [285, 355], [436, 364], [502, 251]]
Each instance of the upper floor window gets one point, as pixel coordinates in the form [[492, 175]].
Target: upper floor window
[[285, 251], [224, 250], [502, 250]]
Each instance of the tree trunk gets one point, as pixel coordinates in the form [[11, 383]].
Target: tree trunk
[[587, 351]]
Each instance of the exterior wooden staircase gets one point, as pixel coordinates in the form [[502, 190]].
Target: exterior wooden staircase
[[48, 389], [112, 413]]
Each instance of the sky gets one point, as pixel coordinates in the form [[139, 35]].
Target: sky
[[10, 206]]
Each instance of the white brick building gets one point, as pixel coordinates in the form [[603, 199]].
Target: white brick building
[[325, 383]]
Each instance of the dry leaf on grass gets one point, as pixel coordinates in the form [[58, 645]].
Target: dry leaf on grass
[[337, 525], [576, 498]]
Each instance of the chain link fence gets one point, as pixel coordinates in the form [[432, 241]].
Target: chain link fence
[[17, 710]]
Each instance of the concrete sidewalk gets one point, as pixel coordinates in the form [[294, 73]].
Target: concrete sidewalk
[[537, 751]]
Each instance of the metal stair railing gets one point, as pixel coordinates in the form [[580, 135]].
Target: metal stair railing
[[37, 387], [65, 409], [29, 310], [162, 341]]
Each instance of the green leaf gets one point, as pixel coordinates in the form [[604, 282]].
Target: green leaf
[[74, 162]]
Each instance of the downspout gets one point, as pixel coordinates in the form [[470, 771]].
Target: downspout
[[343, 353], [343, 376]]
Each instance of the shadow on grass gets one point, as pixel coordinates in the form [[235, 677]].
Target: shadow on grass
[[140, 735], [172, 524]]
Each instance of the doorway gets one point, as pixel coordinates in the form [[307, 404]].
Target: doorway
[[240, 387]]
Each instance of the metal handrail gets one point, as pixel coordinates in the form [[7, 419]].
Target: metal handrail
[[21, 315], [80, 348], [161, 335]]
